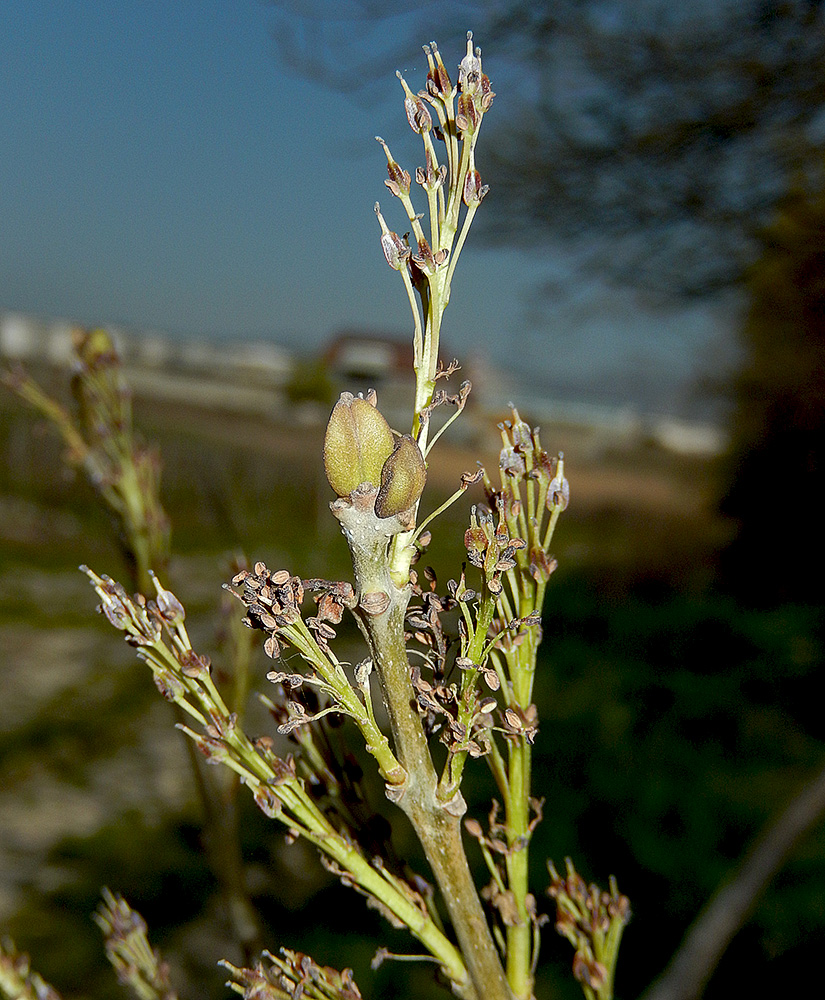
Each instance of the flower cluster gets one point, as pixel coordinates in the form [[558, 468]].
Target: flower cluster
[[137, 964], [426, 257], [273, 601], [100, 440], [290, 977], [459, 110], [592, 921], [17, 978], [532, 493], [490, 547]]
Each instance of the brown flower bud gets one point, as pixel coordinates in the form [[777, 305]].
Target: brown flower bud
[[418, 115], [357, 443], [395, 252], [399, 180], [425, 258], [467, 117], [487, 93], [469, 69], [474, 190], [402, 479], [438, 80], [430, 178]]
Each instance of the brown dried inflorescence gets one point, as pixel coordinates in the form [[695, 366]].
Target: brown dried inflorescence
[[591, 920], [273, 601], [290, 977]]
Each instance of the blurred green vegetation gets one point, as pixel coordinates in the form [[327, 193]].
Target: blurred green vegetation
[[675, 720], [311, 382]]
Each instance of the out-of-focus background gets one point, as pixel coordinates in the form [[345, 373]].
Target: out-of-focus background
[[645, 282]]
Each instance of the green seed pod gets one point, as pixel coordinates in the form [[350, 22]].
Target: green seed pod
[[402, 479], [357, 443]]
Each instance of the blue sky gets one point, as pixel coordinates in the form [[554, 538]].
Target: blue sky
[[162, 168]]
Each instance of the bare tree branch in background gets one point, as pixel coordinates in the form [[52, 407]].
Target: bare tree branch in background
[[728, 909], [653, 140]]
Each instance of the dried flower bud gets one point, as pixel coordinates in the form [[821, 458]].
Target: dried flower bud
[[357, 443], [469, 69], [474, 190], [487, 93], [362, 673], [418, 115], [402, 479], [438, 80], [396, 251], [399, 179], [467, 117], [425, 259], [558, 492], [170, 608], [430, 178]]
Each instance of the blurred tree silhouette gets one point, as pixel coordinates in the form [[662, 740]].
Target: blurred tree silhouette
[[651, 139], [778, 441]]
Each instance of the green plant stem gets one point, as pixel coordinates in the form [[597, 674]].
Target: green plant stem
[[522, 666], [141, 545], [425, 376], [519, 936], [437, 824]]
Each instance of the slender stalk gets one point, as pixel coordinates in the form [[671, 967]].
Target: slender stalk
[[519, 935], [437, 824]]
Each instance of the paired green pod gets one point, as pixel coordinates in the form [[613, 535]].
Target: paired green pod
[[359, 447], [402, 479], [357, 443]]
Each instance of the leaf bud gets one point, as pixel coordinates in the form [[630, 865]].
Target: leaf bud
[[402, 479], [357, 443]]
